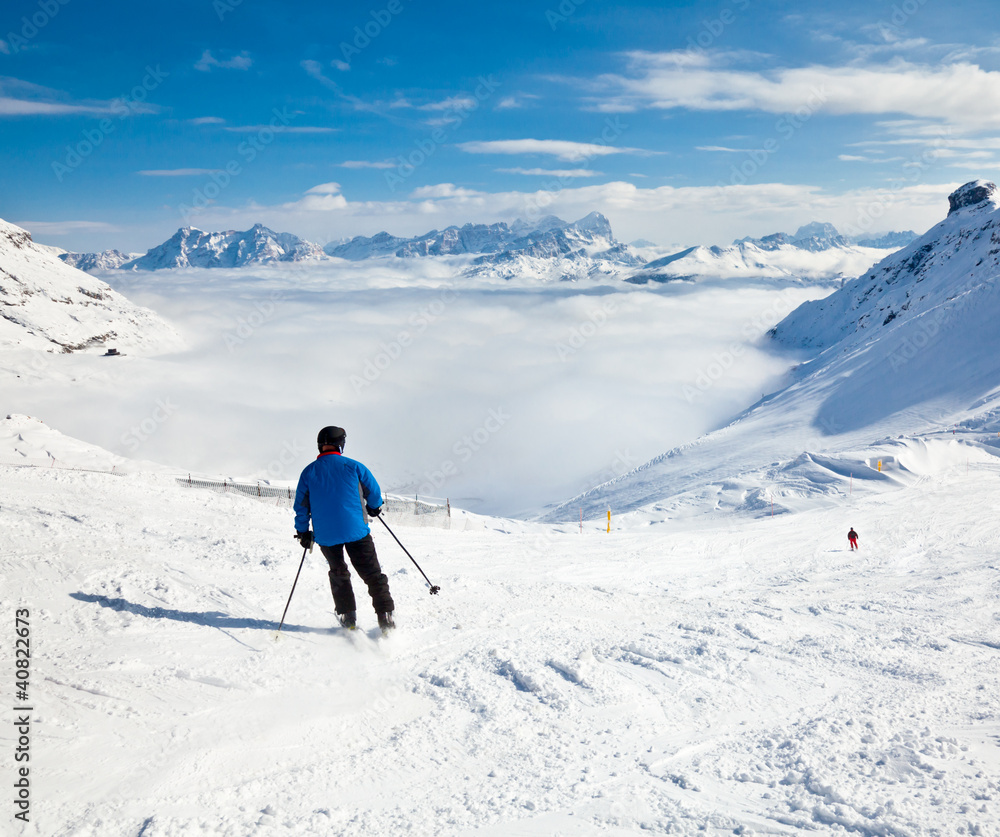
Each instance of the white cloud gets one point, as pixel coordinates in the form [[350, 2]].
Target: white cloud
[[368, 164], [961, 94], [24, 98], [282, 129], [40, 228], [979, 168], [884, 39], [459, 102], [518, 100], [326, 203], [237, 62], [946, 153], [444, 190], [571, 152], [176, 172], [315, 70], [967, 52], [207, 120], [320, 202], [945, 142], [552, 172], [343, 66], [4, 47], [720, 148], [325, 189], [28, 107]]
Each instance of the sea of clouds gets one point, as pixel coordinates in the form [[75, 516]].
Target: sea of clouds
[[503, 397]]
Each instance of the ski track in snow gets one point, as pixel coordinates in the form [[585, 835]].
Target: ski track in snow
[[752, 678]]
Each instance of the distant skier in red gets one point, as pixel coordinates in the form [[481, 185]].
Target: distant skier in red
[[852, 538]]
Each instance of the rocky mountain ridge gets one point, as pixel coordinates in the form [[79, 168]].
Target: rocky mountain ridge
[[542, 249]]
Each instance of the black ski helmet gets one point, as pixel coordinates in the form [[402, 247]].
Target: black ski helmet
[[333, 436]]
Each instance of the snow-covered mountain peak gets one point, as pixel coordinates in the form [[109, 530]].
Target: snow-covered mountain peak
[[594, 223], [547, 222], [817, 229], [14, 236], [191, 247], [977, 195], [815, 236]]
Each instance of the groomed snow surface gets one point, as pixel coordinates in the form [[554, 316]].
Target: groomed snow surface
[[726, 674]]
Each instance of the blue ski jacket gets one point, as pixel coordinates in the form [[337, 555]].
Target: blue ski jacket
[[334, 491]]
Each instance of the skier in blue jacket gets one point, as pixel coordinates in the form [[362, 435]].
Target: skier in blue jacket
[[336, 492]]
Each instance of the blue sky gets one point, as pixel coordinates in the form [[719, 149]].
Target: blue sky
[[683, 122]]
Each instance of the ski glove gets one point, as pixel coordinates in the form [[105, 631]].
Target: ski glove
[[305, 539], [373, 512]]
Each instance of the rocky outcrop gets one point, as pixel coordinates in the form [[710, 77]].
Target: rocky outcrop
[[974, 194]]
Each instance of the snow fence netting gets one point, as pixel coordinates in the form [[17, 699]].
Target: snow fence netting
[[404, 511]]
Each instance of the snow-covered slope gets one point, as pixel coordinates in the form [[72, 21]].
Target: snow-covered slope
[[28, 440], [93, 262], [908, 348], [190, 247], [48, 305], [951, 268], [750, 678]]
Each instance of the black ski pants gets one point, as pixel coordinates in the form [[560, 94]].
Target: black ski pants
[[365, 561]]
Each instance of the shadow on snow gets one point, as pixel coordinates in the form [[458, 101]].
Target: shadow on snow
[[208, 618]]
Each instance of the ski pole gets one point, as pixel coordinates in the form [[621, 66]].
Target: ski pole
[[304, 551], [434, 588]]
